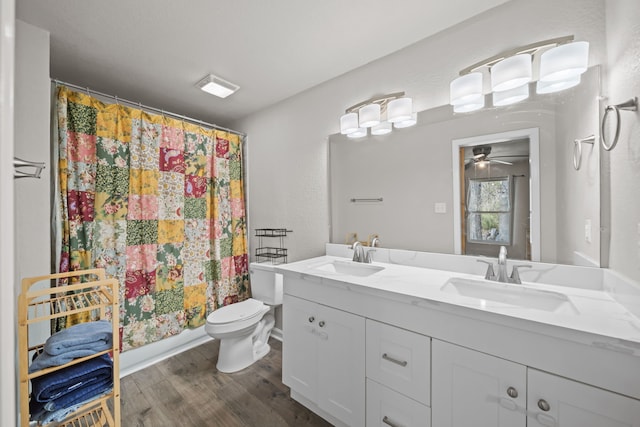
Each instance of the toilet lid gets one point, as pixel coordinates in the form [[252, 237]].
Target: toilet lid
[[234, 312]]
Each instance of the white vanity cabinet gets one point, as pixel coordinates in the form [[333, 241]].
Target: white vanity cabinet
[[433, 361], [323, 359], [556, 401], [476, 389], [472, 389]]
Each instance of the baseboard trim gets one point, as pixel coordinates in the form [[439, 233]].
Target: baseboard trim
[[276, 333], [142, 357]]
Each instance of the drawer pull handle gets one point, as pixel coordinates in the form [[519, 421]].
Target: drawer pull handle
[[402, 363], [311, 319], [544, 405], [388, 422], [321, 323], [512, 392]]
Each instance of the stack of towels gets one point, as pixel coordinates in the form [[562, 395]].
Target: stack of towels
[[55, 395]]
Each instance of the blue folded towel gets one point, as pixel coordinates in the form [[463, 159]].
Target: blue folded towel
[[79, 340], [69, 382], [89, 335], [38, 413]]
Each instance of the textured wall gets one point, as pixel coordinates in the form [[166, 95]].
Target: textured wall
[[288, 142], [623, 81]]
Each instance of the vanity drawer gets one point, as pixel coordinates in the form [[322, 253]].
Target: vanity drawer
[[400, 360], [386, 408]]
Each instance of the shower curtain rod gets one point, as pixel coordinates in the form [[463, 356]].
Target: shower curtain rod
[[146, 107]]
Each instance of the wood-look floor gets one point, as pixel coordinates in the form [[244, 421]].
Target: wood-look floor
[[187, 390]]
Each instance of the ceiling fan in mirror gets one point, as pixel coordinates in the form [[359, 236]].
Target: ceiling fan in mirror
[[482, 157]]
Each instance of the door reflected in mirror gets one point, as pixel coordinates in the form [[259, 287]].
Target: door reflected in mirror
[[495, 182]]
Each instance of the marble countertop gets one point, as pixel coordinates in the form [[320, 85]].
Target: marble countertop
[[586, 311]]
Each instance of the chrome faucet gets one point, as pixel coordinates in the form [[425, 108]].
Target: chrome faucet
[[358, 252], [502, 269], [502, 266]]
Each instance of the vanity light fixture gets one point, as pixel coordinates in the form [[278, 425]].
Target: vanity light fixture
[[562, 61], [550, 87], [381, 114], [466, 92], [511, 72], [358, 133], [382, 128], [407, 123], [369, 115], [217, 86], [511, 96]]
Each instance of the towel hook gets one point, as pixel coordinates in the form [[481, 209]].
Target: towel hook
[[577, 149], [630, 105]]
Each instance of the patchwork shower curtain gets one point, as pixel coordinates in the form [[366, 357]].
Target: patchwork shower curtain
[[158, 203]]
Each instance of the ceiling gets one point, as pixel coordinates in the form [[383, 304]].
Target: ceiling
[[154, 51]]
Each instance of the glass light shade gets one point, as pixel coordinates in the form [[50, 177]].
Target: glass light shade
[[550, 87], [564, 61], [359, 133], [465, 89], [369, 115], [382, 128], [511, 96], [399, 109], [348, 123], [471, 105], [407, 123], [511, 72]]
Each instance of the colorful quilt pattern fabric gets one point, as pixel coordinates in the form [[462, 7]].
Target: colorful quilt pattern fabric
[[159, 204]]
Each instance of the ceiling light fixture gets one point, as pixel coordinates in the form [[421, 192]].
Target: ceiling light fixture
[[562, 61], [217, 86], [381, 114]]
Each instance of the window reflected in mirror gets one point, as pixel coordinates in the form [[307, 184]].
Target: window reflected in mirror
[[489, 211]]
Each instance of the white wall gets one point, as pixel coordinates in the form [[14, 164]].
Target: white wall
[[32, 142], [7, 279], [623, 80], [288, 141], [578, 192]]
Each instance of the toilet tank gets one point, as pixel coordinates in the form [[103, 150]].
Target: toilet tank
[[266, 284]]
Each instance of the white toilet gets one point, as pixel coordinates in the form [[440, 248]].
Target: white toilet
[[243, 328]]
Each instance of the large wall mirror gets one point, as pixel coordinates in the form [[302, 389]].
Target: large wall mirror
[[403, 187]]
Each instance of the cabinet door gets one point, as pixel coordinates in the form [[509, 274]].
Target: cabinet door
[[472, 389], [572, 404], [299, 347], [341, 365]]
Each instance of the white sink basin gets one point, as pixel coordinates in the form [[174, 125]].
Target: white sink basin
[[350, 268], [510, 294]]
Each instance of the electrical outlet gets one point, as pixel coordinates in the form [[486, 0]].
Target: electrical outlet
[[440, 207]]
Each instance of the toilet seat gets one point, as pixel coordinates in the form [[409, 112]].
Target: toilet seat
[[244, 310]]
